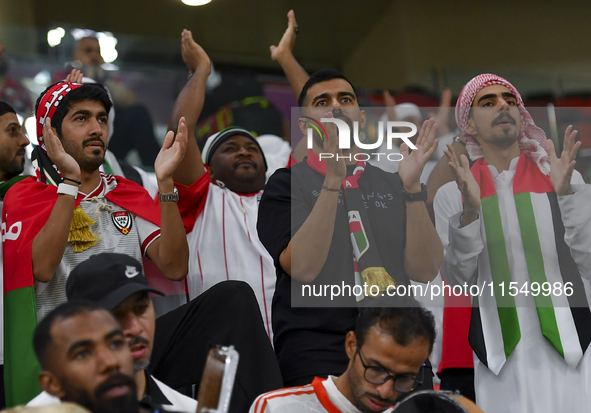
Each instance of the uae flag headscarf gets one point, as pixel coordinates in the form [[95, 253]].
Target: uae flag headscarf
[[546, 254]]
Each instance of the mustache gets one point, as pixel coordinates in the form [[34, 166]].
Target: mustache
[[96, 139], [138, 340], [116, 379], [503, 116]]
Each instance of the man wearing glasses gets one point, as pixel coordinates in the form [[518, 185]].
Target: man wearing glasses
[[386, 353]]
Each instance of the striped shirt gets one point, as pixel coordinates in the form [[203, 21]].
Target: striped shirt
[[224, 243]]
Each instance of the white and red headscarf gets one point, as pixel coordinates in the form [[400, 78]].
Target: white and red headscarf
[[532, 141], [49, 103], [45, 169]]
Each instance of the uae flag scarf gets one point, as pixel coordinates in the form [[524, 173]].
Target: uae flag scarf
[[366, 259], [564, 321]]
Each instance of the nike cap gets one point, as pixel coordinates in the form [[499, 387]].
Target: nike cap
[[107, 279]]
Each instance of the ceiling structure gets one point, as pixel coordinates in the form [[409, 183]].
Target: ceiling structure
[[376, 43], [231, 31]]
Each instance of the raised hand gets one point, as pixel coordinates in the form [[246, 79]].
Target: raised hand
[[171, 154], [65, 163], [390, 104], [193, 55], [442, 115], [287, 42], [336, 168], [75, 76], [465, 180], [412, 164], [561, 169]]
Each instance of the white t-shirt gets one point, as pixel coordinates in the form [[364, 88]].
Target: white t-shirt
[[118, 231]]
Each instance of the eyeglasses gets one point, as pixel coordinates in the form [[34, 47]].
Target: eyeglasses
[[402, 383]]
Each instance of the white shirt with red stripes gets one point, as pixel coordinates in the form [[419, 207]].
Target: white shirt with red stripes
[[224, 243], [322, 395], [118, 231]]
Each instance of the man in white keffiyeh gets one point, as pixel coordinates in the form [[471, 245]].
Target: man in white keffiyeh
[[532, 140], [514, 219]]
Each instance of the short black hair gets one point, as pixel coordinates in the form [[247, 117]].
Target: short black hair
[[42, 336], [6, 108], [88, 91], [322, 75], [404, 324]]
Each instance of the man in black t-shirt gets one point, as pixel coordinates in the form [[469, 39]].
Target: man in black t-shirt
[[310, 214]]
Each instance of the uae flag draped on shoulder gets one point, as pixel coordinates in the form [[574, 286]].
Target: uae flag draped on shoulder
[[27, 207]]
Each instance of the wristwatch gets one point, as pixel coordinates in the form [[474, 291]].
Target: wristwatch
[[458, 140], [417, 196], [174, 197]]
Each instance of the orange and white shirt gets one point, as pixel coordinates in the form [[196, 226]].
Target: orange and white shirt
[[322, 395]]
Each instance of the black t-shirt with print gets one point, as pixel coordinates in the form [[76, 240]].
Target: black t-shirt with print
[[310, 340]]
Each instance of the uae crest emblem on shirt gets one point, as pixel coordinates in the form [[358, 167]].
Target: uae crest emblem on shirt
[[358, 235], [122, 221]]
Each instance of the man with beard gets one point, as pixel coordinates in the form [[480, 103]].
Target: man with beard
[[86, 360], [386, 352], [123, 290], [311, 217], [72, 211], [12, 148], [519, 219], [220, 190], [174, 346]]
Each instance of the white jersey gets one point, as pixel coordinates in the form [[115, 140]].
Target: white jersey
[[118, 231], [319, 396], [224, 243]]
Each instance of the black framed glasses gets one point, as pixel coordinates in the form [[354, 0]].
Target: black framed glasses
[[403, 383]]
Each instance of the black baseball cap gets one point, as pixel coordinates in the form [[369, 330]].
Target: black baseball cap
[[107, 279]]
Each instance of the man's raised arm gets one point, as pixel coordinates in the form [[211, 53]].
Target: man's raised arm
[[170, 251], [283, 54], [423, 253], [188, 105], [312, 241]]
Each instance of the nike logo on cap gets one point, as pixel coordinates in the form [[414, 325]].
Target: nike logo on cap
[[131, 271]]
